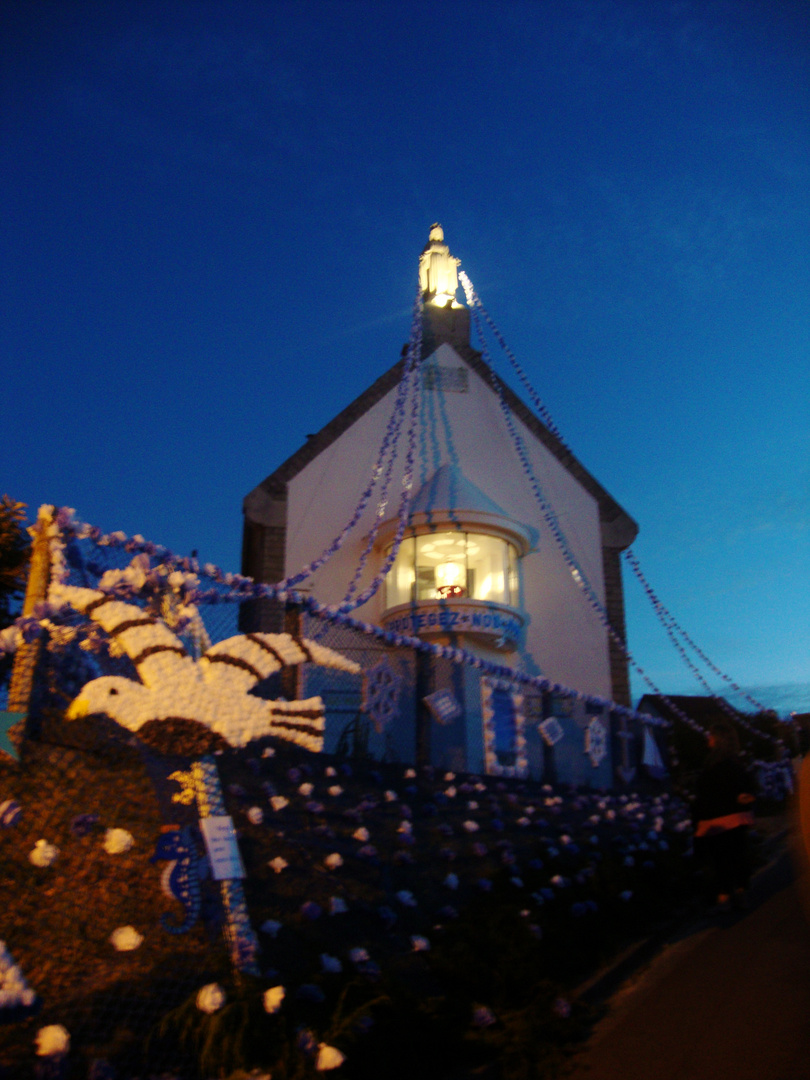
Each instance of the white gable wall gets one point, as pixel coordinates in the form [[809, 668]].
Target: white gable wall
[[564, 637]]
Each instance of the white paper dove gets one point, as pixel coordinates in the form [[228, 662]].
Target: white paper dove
[[212, 690]]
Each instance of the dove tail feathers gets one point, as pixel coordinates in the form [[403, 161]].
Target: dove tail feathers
[[299, 722]]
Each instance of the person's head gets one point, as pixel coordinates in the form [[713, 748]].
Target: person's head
[[723, 740]]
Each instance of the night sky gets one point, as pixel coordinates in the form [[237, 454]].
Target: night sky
[[212, 221]]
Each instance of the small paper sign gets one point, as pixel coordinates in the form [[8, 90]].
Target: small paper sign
[[551, 730], [443, 706], [223, 851]]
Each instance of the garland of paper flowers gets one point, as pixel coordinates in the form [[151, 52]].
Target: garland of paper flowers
[[553, 524], [672, 626], [240, 588], [388, 446], [413, 361]]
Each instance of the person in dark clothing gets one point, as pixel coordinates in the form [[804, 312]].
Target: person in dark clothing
[[722, 813]]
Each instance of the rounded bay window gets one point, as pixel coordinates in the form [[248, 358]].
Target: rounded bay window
[[453, 565]]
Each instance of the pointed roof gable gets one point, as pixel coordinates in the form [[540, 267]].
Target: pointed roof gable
[[451, 326]]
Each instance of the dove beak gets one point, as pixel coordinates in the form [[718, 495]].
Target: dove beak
[[79, 708]]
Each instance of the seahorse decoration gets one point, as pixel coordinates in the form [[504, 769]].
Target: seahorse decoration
[[182, 876]]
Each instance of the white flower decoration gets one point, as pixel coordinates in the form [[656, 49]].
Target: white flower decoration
[[419, 943], [52, 1040], [43, 854], [273, 998], [362, 834], [125, 938], [278, 802], [333, 861], [329, 1057], [117, 841], [255, 815], [211, 998], [278, 864]]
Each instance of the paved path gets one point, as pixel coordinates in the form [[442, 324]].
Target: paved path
[[731, 999]]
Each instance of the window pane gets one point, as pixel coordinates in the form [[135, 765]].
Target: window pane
[[400, 579], [441, 565], [487, 558], [444, 565]]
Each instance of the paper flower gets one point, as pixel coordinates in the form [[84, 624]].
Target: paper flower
[[335, 790], [358, 956], [362, 835], [278, 864], [331, 964], [391, 796], [278, 802], [52, 1040], [255, 815], [306, 790], [210, 998], [14, 990], [419, 943], [333, 861], [117, 841], [125, 939], [271, 927], [451, 881], [273, 998], [406, 898], [43, 854], [471, 826], [329, 1057], [10, 812]]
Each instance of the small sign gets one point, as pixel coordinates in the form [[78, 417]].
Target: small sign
[[223, 850], [551, 730], [444, 706]]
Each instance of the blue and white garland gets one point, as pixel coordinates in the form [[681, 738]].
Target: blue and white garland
[[553, 524]]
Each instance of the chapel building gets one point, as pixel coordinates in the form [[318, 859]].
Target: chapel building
[[478, 566]]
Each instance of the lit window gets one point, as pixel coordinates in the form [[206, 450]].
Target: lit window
[[444, 565]]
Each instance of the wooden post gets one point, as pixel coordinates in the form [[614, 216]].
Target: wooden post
[[25, 660]]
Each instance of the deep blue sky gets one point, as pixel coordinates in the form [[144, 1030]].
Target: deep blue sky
[[212, 219]]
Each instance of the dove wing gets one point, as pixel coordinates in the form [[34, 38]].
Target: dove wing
[[157, 654], [242, 661]]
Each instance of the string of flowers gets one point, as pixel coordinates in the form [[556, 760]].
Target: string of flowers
[[555, 528], [552, 522], [241, 588], [390, 441], [670, 626], [407, 479], [666, 615], [576, 572], [473, 299], [410, 376]]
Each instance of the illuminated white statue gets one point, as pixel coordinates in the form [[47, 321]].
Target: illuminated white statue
[[438, 270]]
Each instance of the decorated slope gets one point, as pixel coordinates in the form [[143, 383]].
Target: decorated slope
[[428, 920]]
